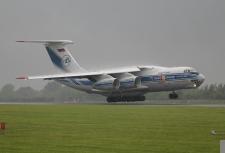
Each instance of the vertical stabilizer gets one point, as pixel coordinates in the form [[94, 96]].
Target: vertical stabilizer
[[59, 54]]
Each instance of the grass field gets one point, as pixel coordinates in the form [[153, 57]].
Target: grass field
[[110, 129]]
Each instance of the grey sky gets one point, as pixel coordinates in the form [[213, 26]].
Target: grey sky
[[112, 33]]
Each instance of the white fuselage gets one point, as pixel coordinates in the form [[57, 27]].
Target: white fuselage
[[152, 79]]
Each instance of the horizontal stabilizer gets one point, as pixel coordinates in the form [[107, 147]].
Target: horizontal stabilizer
[[47, 41], [22, 78]]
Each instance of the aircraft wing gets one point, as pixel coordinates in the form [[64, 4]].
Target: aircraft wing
[[81, 75]]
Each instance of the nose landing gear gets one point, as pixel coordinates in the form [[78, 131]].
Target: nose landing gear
[[173, 95]]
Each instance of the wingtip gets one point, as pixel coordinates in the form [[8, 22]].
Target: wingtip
[[22, 78]]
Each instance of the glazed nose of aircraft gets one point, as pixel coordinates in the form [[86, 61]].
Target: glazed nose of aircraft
[[201, 78]]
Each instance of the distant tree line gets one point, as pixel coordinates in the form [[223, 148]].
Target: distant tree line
[[52, 92], [55, 92]]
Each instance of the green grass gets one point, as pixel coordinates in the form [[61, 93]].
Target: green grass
[[110, 129]]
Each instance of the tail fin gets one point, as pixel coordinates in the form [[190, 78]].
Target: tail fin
[[59, 54]]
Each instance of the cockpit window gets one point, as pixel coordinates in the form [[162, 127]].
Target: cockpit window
[[187, 71], [192, 71]]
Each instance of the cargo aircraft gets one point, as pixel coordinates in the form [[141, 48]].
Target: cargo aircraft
[[124, 84]]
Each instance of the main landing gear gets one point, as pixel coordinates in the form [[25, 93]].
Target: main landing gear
[[126, 99], [173, 95]]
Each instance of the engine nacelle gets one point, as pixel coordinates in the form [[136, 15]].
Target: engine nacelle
[[107, 84], [130, 82]]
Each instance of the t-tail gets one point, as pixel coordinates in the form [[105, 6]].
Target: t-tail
[[60, 55]]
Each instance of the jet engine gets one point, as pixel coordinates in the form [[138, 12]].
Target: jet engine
[[130, 82], [107, 84]]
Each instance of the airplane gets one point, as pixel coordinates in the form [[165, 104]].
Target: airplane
[[119, 85]]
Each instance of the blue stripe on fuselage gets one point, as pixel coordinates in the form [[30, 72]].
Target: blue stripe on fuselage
[[169, 77], [150, 78]]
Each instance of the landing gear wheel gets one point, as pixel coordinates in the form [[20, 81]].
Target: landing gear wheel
[[109, 99], [113, 99], [142, 98], [173, 95], [125, 99]]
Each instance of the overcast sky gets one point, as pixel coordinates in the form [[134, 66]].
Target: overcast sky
[[113, 33]]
